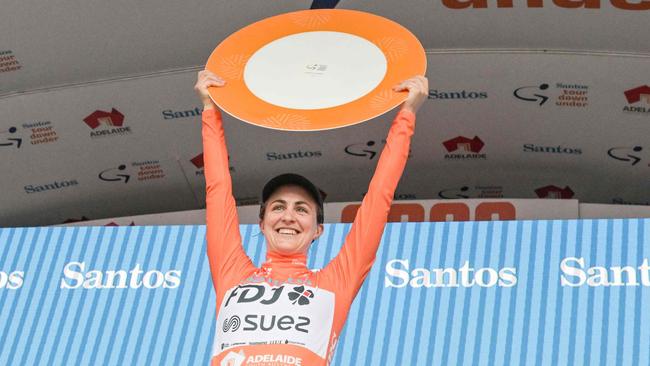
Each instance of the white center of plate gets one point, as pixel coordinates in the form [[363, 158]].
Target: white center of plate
[[315, 70]]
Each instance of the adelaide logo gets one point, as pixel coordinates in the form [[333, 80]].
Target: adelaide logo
[[105, 123], [637, 96], [472, 148], [552, 191]]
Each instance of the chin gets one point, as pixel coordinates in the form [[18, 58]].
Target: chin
[[287, 248]]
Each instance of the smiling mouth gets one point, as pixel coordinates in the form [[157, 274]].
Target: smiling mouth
[[287, 231]]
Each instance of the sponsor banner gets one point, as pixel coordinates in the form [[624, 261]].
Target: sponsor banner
[[407, 211], [474, 139], [597, 211], [522, 292]]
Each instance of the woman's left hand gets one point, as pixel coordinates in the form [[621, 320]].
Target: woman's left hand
[[418, 88]]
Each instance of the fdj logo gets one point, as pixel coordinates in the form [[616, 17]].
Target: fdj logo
[[300, 295], [625, 154], [259, 293], [11, 140], [113, 174], [529, 93]]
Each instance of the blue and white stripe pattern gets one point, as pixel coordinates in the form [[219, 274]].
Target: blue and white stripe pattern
[[536, 322]]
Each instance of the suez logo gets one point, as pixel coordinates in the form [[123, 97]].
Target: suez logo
[[638, 5], [143, 171], [628, 154], [441, 212], [76, 276], [564, 95], [574, 273], [263, 295], [636, 96], [104, 124], [37, 133], [12, 280], [471, 147]]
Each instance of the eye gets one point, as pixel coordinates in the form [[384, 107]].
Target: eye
[[302, 209], [277, 208]]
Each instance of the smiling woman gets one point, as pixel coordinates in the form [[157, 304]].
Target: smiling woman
[[283, 310], [291, 214]]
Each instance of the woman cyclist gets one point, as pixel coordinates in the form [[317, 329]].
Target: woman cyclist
[[282, 313]]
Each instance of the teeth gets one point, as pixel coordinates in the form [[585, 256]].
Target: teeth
[[287, 231]]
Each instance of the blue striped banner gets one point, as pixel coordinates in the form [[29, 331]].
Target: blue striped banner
[[537, 321]]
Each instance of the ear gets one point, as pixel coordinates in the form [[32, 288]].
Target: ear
[[261, 225], [319, 231]]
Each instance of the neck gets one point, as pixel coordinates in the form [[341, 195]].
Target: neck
[[282, 265]]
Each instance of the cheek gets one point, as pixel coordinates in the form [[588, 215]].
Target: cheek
[[308, 224]]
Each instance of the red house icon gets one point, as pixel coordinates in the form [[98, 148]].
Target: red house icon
[[198, 161], [635, 95], [112, 223], [114, 118], [474, 145], [554, 192]]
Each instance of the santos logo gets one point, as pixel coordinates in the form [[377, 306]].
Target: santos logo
[[12, 281], [574, 274], [272, 156], [76, 276], [398, 275]]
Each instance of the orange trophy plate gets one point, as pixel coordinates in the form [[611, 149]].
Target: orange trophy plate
[[315, 70]]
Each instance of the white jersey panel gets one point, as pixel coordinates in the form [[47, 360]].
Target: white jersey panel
[[261, 314]]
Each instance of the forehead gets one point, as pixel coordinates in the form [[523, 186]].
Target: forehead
[[291, 193]]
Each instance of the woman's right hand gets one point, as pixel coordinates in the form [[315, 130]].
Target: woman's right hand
[[205, 80]]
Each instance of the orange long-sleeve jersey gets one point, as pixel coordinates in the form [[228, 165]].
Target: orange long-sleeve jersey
[[282, 313]]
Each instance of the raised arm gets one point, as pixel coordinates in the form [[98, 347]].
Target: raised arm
[[224, 244], [357, 255]]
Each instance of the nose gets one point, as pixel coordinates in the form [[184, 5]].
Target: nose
[[287, 216]]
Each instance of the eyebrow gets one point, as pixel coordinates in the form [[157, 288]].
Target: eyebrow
[[296, 203]]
